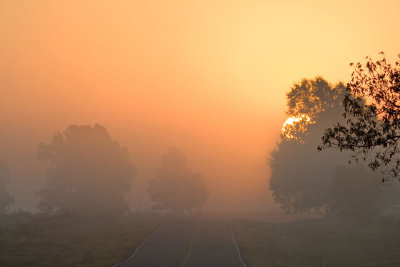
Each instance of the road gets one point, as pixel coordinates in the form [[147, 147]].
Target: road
[[188, 243]]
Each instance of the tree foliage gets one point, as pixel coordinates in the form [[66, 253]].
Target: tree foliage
[[300, 176], [5, 198], [307, 100], [304, 180], [372, 112], [355, 193], [176, 187], [312, 97], [89, 172]]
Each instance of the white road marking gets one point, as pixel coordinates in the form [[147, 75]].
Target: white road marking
[[237, 247], [138, 248]]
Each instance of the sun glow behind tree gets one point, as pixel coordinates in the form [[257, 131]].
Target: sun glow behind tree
[[297, 123]]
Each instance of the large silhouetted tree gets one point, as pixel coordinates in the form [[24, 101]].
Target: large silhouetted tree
[[305, 180], [89, 172], [372, 112], [300, 176], [5, 198], [176, 187]]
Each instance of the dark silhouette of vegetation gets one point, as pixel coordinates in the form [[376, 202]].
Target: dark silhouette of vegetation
[[371, 129], [311, 98], [303, 180], [5, 198], [300, 177], [355, 193], [176, 187], [89, 172]]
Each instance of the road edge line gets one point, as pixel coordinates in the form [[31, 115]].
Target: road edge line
[[138, 247], [190, 246], [237, 246]]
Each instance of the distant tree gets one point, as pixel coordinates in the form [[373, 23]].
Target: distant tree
[[176, 187], [372, 111], [89, 173], [300, 176], [5, 198]]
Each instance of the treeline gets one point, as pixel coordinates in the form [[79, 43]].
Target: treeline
[[90, 173], [358, 179]]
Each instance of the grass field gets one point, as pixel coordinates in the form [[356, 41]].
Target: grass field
[[318, 242], [27, 240]]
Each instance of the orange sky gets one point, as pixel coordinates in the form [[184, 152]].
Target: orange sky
[[209, 77]]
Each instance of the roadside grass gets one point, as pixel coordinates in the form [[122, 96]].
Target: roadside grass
[[318, 242], [28, 240]]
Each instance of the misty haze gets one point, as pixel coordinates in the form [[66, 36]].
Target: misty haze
[[199, 133]]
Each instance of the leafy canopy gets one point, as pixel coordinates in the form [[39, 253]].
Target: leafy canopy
[[306, 101], [300, 176], [176, 187], [89, 172], [372, 112]]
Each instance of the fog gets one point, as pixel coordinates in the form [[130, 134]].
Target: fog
[[184, 119], [199, 77], [218, 165]]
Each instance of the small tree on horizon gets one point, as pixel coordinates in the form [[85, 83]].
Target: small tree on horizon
[[176, 187], [89, 172]]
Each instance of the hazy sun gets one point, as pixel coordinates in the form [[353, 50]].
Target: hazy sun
[[292, 121]]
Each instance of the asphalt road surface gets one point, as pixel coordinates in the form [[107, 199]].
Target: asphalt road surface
[[188, 243]]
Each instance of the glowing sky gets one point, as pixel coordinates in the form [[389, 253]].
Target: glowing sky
[[209, 77]]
